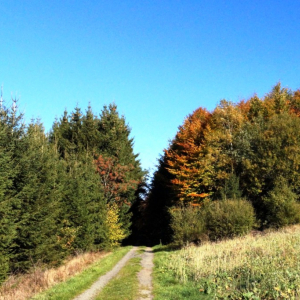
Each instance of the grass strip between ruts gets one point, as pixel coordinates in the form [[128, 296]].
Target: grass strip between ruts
[[125, 285], [79, 283]]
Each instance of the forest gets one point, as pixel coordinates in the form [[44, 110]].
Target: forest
[[227, 172], [81, 187], [64, 192]]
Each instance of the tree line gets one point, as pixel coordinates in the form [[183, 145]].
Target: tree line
[[81, 187], [66, 191], [247, 151]]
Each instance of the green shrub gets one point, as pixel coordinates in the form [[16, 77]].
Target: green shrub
[[280, 206], [228, 218], [187, 224]]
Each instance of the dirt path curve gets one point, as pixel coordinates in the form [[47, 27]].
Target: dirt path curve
[[144, 275], [103, 280]]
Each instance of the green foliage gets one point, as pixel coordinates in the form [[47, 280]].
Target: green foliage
[[214, 220], [228, 218], [188, 225], [81, 138], [280, 205], [11, 132], [237, 150], [83, 205], [52, 199], [38, 197], [231, 189]]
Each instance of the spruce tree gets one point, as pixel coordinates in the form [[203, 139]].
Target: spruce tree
[[37, 193], [83, 203], [11, 132], [116, 144], [7, 226]]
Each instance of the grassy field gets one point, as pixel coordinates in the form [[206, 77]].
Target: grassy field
[[252, 267]]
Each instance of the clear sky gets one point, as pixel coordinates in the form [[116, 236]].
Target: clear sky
[[158, 60]]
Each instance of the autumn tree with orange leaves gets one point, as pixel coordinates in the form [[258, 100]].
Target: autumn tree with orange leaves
[[113, 177], [238, 150]]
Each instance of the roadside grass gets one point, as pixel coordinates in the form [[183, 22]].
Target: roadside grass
[[252, 267], [166, 284], [125, 285], [79, 283], [39, 278]]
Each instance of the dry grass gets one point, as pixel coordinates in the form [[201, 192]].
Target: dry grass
[[25, 286]]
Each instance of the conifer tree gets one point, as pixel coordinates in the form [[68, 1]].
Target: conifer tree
[[7, 226], [84, 205], [38, 194], [116, 146], [11, 132]]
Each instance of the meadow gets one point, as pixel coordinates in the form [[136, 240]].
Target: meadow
[[257, 266]]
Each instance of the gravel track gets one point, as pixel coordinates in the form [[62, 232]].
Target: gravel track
[[144, 275], [92, 292]]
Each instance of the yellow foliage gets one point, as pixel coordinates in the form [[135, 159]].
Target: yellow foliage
[[115, 232], [67, 235]]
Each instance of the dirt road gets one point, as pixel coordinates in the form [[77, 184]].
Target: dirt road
[[144, 276]]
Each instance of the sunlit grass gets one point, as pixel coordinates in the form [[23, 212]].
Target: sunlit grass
[[24, 286], [166, 285], [252, 267], [77, 284], [125, 285]]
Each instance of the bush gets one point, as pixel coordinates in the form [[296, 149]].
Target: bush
[[228, 218], [187, 224], [280, 206]]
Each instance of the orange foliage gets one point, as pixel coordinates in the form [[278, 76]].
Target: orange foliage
[[113, 178]]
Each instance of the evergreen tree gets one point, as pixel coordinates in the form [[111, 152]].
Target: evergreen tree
[[90, 134], [117, 147], [38, 195], [11, 132], [7, 226], [115, 142], [84, 205]]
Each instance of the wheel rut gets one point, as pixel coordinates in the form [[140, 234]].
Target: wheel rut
[[144, 276], [92, 292]]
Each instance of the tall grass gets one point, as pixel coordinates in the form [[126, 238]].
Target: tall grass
[[23, 287], [251, 267]]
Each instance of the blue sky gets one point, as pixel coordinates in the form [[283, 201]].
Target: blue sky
[[157, 60]]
